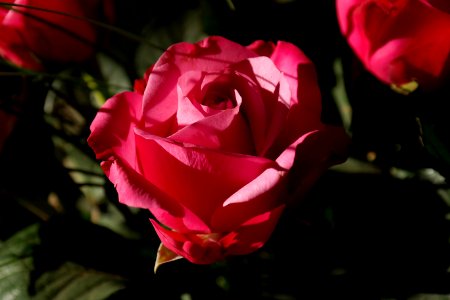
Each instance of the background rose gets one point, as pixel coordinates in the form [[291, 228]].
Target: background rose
[[207, 145], [399, 41], [31, 36]]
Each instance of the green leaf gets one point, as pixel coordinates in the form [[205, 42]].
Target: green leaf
[[114, 74], [16, 263], [72, 281]]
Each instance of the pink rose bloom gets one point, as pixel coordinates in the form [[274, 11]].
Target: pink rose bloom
[[399, 41], [30, 37], [208, 139]]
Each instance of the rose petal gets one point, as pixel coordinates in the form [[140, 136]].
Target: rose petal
[[190, 246], [199, 178], [315, 152], [249, 237], [141, 83], [112, 129], [189, 110], [208, 127], [135, 191], [305, 110], [225, 131], [261, 195], [262, 47], [253, 234], [266, 99], [192, 87], [210, 55], [289, 59], [213, 54], [287, 157]]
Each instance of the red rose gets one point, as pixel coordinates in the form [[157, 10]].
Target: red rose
[[208, 138], [31, 36], [399, 41]]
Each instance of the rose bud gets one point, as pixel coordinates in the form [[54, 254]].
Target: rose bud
[[401, 42]]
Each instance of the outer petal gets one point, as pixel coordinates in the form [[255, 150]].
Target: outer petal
[[306, 105], [287, 157], [262, 48], [252, 234], [112, 139], [315, 152], [199, 178], [296, 67], [141, 83], [261, 195], [134, 190], [210, 248], [112, 134], [199, 249]]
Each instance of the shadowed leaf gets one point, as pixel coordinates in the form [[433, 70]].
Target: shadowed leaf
[[16, 262], [72, 281]]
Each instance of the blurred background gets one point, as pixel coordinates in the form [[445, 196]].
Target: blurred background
[[374, 227]]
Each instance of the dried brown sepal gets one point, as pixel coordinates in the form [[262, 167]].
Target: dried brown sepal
[[163, 256]]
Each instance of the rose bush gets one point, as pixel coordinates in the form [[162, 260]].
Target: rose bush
[[31, 37], [399, 41], [208, 141]]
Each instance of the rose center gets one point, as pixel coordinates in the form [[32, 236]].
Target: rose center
[[219, 93], [219, 100]]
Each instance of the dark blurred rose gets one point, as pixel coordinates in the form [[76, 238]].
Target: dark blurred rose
[[31, 37], [399, 41], [208, 139]]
